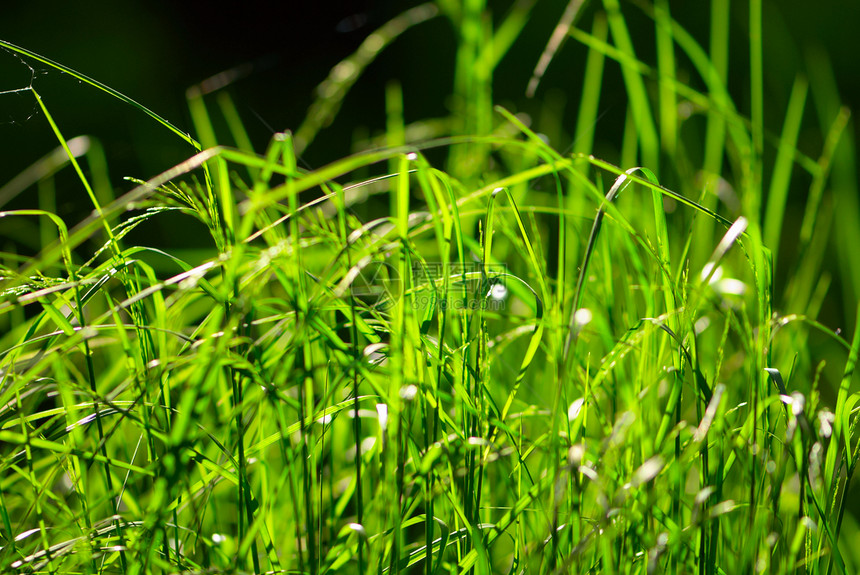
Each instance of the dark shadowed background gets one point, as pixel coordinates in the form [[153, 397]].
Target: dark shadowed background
[[153, 51]]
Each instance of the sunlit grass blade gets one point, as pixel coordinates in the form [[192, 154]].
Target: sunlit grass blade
[[103, 87]]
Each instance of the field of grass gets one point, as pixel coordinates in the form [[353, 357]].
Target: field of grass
[[484, 343]]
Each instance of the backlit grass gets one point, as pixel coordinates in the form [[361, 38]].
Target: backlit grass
[[536, 360]]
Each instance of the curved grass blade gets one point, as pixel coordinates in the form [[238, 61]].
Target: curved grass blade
[[103, 87], [333, 89]]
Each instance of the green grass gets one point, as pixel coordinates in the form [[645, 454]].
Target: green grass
[[535, 361]]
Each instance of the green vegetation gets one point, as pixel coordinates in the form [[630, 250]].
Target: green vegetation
[[460, 349]]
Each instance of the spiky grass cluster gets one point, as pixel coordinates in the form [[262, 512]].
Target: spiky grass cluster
[[536, 362]]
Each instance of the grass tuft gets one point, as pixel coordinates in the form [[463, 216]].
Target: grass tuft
[[472, 353]]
